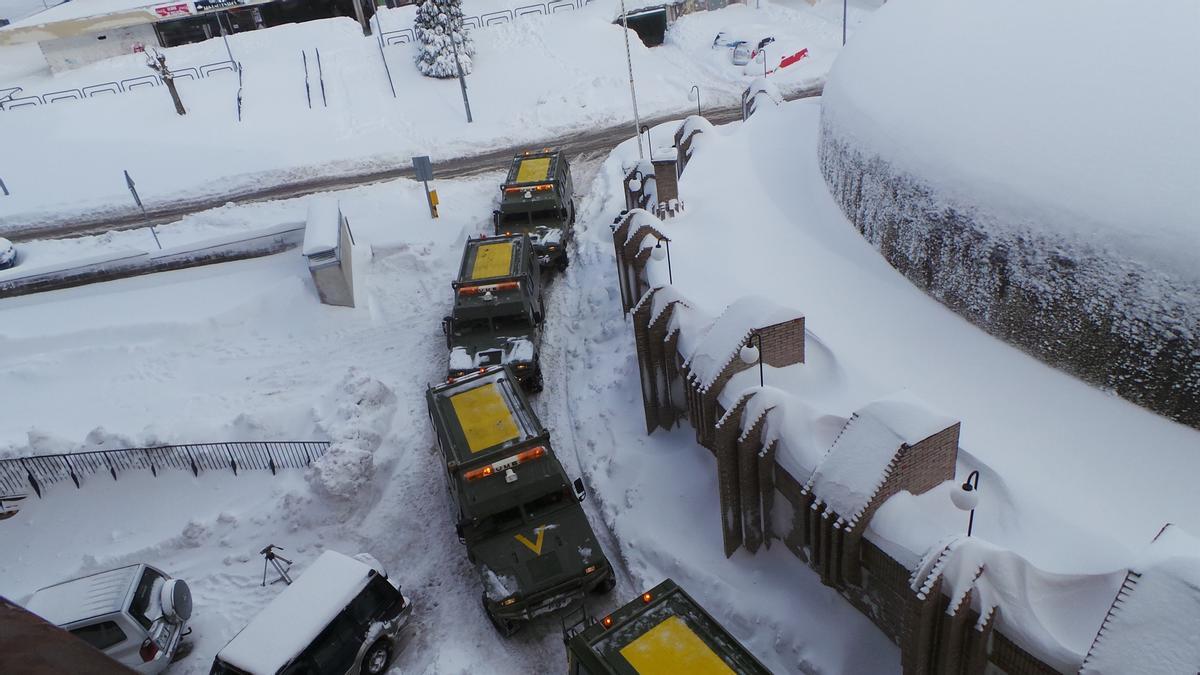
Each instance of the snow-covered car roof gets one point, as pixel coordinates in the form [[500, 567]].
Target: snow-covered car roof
[[86, 597], [297, 615]]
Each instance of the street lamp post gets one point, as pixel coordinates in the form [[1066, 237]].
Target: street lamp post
[[966, 497], [658, 254], [649, 144], [750, 353], [637, 121], [694, 95], [844, 22], [462, 79]]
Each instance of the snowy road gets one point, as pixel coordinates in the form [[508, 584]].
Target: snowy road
[[576, 145]]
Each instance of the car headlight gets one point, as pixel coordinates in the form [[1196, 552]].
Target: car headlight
[[589, 569], [508, 601]]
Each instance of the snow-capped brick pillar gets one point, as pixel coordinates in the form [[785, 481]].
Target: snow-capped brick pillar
[[656, 339], [629, 236], [640, 185], [745, 481], [685, 138], [890, 445]]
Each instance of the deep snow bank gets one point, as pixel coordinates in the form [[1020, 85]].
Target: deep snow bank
[[1062, 219]]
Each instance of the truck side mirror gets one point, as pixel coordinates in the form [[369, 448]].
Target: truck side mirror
[[579, 492], [447, 326]]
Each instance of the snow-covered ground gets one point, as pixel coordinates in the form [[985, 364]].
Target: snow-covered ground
[[15, 10], [536, 78]]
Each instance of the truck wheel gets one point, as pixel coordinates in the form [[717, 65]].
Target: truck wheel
[[571, 208], [538, 383], [377, 658], [606, 586], [562, 262]]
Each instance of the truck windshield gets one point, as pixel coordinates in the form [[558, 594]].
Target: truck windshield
[[511, 324], [547, 503], [462, 328], [528, 217]]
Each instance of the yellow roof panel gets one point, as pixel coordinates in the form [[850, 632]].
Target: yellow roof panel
[[492, 260], [484, 416], [670, 648], [533, 170]]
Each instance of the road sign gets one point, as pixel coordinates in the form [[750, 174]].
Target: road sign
[[423, 168], [433, 198]]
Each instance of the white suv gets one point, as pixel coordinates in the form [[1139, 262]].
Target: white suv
[[134, 614]]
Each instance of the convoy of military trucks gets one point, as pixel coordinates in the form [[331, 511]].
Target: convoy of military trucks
[[515, 509]]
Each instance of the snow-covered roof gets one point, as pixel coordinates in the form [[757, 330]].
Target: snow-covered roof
[[1153, 626], [85, 597], [720, 343], [302, 610], [323, 226], [855, 466]]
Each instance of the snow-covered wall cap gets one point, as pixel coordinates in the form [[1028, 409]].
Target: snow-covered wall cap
[[692, 124], [1052, 616], [666, 153], [762, 85], [854, 467], [720, 343], [1153, 627], [637, 219], [323, 226], [644, 165], [801, 432]]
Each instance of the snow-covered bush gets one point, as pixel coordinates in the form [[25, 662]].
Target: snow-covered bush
[[438, 23]]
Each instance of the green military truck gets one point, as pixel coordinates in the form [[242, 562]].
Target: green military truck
[[516, 511], [537, 198], [663, 632], [498, 309]]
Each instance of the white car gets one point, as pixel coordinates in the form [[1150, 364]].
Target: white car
[[8, 254], [134, 614]]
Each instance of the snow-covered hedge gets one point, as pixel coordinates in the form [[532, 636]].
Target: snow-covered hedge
[[1107, 318]]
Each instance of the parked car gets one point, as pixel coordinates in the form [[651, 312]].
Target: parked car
[[741, 53], [343, 615], [135, 614], [8, 254]]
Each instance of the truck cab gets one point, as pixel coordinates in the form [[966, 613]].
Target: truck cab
[[498, 310], [516, 511], [537, 198], [662, 632]]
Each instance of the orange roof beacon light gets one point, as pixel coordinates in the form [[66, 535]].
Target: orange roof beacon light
[[646, 597], [607, 621]]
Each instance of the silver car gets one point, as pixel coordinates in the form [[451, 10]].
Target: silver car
[[135, 614], [343, 615]]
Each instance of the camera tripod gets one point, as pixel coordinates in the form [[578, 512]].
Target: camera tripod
[[269, 557]]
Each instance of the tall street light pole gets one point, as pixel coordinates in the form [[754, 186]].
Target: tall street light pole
[[844, 22], [462, 80], [637, 121]]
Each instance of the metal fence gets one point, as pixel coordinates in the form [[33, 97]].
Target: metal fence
[[10, 98], [406, 35], [21, 474]]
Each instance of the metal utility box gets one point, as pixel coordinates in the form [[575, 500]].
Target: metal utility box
[[328, 245]]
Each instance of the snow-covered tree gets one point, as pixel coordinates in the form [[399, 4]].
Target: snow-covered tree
[[438, 22]]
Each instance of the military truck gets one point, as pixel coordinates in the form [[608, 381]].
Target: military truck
[[498, 309], [663, 632], [517, 513], [537, 198]]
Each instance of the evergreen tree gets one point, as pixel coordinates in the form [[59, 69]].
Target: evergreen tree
[[438, 22]]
